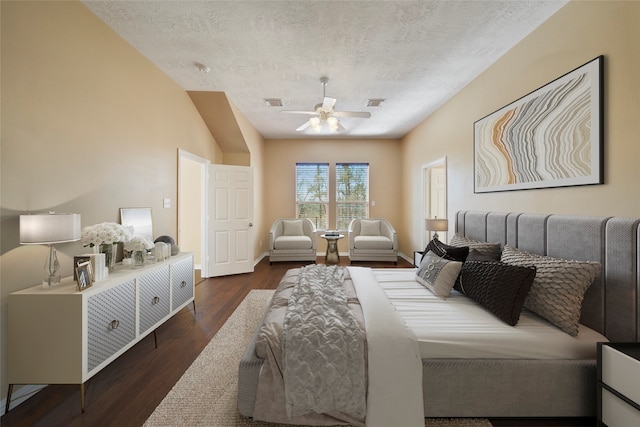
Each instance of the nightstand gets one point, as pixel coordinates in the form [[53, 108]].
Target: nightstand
[[618, 384]]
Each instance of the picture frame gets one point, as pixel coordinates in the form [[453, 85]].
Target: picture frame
[[84, 275], [551, 137]]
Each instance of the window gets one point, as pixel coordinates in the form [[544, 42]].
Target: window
[[312, 193], [352, 193]]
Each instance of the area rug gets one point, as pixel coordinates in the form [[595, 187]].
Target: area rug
[[206, 395]]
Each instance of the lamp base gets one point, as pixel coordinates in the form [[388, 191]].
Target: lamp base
[[52, 280], [51, 267]]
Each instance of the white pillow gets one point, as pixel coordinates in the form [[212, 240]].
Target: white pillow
[[292, 227], [438, 274], [369, 227]]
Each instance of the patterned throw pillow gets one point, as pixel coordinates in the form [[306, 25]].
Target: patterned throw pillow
[[498, 287], [453, 253], [438, 274], [558, 288], [489, 250]]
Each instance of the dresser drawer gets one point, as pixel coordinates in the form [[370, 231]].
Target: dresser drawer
[[153, 298], [621, 372], [618, 413], [182, 285], [111, 322]]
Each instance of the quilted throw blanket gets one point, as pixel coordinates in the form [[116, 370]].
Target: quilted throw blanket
[[323, 347]]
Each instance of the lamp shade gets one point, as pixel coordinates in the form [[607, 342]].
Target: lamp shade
[[42, 229], [436, 224]]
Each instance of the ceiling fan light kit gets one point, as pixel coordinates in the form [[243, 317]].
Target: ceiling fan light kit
[[324, 113]]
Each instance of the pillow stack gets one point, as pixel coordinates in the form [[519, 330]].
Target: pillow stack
[[504, 281], [498, 287]]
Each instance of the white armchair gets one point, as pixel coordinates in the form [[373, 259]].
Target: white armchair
[[372, 240], [292, 240]]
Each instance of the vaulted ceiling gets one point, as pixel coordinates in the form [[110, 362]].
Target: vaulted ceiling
[[413, 54]]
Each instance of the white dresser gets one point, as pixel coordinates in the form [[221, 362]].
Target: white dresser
[[619, 384], [62, 336]]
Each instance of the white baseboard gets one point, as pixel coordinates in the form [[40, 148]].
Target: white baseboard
[[20, 395]]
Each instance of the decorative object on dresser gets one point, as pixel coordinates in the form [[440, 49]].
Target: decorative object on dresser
[[104, 238], [140, 221], [138, 246], [48, 229], [62, 336], [552, 137], [618, 379]]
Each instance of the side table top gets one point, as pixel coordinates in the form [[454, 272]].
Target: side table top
[[332, 237]]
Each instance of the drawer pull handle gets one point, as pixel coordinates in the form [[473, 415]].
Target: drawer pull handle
[[155, 300], [114, 324], [183, 284]]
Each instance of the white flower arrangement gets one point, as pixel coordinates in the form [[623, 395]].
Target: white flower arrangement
[[138, 244], [105, 233]]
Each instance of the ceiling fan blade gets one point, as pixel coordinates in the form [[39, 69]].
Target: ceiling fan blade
[[328, 103], [361, 114], [309, 113], [340, 128], [304, 126]]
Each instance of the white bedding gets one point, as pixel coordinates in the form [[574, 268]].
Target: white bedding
[[460, 328]]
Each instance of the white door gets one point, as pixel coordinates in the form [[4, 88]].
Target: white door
[[230, 239]]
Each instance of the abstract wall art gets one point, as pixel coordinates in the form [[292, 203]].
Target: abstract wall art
[[552, 137]]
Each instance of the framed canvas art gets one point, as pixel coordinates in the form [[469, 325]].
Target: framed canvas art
[[552, 137]]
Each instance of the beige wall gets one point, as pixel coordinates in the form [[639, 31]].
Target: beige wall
[[280, 161], [88, 126], [577, 33]]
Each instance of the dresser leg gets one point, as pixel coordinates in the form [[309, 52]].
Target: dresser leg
[[194, 306], [6, 407], [155, 338], [82, 396]]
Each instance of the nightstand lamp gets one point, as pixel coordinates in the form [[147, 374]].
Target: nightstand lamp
[[48, 229], [436, 224]]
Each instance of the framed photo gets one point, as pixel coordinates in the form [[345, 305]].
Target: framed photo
[[552, 137], [84, 275]]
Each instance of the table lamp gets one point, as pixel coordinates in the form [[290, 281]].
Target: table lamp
[[48, 229], [436, 224]]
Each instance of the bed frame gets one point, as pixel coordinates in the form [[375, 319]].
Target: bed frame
[[528, 388]]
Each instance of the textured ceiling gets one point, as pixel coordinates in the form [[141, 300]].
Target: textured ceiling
[[415, 54]]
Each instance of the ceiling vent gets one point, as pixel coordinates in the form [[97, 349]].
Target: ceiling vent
[[273, 102], [375, 102]]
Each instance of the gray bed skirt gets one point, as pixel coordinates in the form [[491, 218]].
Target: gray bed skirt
[[478, 387]]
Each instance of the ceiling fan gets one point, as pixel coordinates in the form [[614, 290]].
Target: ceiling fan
[[324, 113]]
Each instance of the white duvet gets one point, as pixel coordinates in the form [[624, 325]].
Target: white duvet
[[460, 328]]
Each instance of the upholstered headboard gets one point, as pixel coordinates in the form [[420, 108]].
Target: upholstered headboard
[[610, 305]]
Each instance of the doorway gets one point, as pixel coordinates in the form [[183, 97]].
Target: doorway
[[434, 196], [192, 197]]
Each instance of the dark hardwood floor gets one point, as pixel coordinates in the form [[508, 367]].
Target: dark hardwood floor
[[127, 391]]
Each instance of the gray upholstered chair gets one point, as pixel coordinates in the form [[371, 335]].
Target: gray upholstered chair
[[292, 239], [372, 239]]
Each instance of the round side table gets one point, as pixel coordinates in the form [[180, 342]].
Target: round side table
[[332, 257]]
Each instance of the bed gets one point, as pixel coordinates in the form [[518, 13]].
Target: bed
[[485, 382]]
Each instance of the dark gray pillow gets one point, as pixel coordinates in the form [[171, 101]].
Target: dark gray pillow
[[558, 288], [498, 287], [453, 253], [488, 249]]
